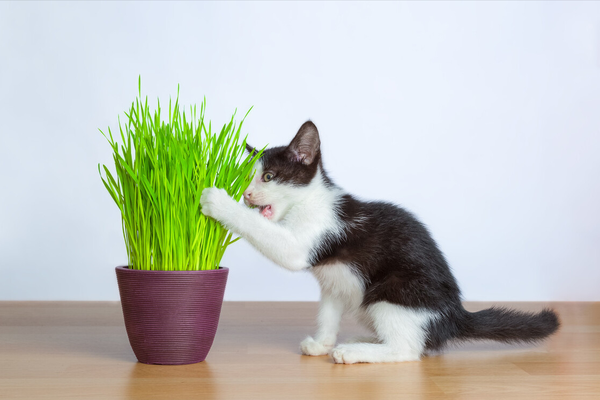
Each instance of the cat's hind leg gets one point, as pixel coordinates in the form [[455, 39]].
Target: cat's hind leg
[[363, 339], [400, 330]]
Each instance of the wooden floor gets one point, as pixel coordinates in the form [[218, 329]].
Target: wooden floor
[[79, 350]]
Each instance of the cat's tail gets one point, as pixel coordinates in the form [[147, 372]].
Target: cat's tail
[[510, 326]]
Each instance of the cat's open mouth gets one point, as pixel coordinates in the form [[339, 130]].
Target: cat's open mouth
[[266, 211]]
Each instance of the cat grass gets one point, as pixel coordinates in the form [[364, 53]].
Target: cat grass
[[162, 164]]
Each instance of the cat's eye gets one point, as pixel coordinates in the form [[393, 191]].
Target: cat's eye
[[267, 176]]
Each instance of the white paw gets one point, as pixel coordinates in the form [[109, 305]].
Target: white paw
[[215, 202], [310, 347], [345, 354]]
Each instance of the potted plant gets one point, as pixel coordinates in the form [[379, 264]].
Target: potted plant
[[172, 288]]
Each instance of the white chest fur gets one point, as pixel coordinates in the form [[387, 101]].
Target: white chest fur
[[338, 281]]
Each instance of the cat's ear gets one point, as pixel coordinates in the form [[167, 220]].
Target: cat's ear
[[250, 149], [304, 148]]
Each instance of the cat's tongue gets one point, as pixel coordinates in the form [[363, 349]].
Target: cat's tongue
[[266, 211]]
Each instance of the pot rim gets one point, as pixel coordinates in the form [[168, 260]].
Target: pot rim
[[126, 269]]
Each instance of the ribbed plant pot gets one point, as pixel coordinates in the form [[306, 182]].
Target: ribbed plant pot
[[171, 317]]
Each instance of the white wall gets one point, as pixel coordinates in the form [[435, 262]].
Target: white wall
[[482, 118]]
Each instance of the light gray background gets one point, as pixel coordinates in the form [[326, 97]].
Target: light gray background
[[481, 117]]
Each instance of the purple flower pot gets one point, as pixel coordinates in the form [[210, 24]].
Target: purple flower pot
[[171, 317]]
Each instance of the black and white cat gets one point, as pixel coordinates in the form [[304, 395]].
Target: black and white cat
[[371, 259]]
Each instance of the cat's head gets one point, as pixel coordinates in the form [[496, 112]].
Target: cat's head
[[285, 174]]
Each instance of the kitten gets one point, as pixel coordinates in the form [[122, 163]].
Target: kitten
[[371, 259]]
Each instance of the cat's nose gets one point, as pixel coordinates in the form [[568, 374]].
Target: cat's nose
[[247, 195]]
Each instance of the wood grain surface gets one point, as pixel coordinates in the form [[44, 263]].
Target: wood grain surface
[[79, 350]]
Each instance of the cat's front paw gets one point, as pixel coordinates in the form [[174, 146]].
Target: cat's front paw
[[215, 203], [310, 347]]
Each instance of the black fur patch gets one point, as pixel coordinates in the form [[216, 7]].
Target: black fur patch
[[393, 253]]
